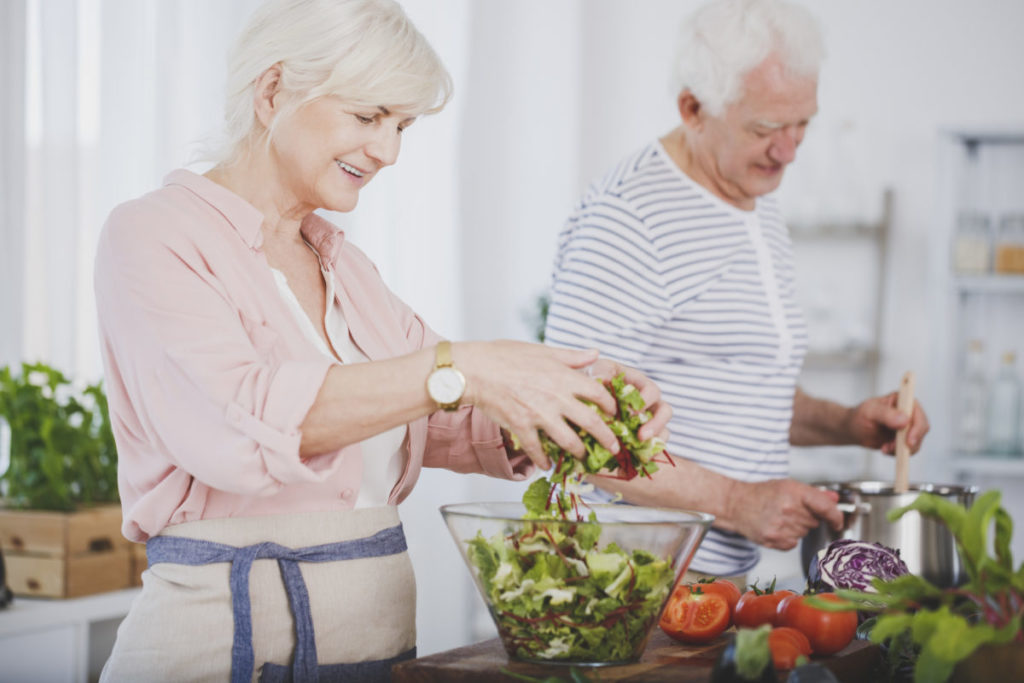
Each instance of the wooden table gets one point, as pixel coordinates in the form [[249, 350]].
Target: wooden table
[[663, 660]]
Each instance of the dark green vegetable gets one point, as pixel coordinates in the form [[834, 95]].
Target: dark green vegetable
[[746, 659], [942, 627], [811, 672]]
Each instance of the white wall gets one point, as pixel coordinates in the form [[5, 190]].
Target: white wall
[[548, 94], [896, 74]]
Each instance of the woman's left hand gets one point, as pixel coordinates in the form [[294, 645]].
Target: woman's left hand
[[661, 412]]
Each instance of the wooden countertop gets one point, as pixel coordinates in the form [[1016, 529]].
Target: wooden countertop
[[663, 660]]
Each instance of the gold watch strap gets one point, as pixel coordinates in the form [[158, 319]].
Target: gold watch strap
[[443, 354]]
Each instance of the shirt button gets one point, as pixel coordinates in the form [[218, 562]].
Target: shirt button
[[347, 494]]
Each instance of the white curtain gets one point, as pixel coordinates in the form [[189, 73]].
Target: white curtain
[[119, 92], [12, 165]]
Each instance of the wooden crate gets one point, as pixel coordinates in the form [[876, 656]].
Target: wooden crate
[[65, 554]]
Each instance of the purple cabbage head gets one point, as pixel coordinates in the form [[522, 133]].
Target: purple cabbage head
[[847, 563]]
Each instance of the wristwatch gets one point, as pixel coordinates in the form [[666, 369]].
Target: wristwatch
[[445, 384]]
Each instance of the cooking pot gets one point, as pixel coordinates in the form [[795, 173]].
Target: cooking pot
[[925, 544]]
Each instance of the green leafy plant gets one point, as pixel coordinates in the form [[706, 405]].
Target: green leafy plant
[[62, 452], [944, 626]]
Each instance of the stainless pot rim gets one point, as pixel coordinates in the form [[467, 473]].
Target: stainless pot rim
[[885, 488]]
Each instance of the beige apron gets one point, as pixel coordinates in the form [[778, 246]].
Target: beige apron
[[181, 627]]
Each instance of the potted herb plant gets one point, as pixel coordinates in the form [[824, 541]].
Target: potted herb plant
[[59, 520], [972, 632]]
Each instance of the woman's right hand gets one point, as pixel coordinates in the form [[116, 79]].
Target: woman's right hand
[[528, 387]]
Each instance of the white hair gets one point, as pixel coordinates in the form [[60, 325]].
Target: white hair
[[366, 52], [724, 39]]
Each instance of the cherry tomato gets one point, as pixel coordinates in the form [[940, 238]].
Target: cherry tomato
[[694, 617], [787, 645], [756, 606], [727, 589], [828, 632], [784, 653]]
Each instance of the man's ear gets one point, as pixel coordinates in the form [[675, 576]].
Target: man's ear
[[690, 110], [265, 95]]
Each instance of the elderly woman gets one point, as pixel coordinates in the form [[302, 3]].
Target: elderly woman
[[272, 399]]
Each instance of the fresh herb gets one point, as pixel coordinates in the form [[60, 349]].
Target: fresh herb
[[62, 452], [747, 658], [636, 457], [949, 624]]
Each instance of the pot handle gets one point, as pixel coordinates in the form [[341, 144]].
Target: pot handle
[[854, 508]]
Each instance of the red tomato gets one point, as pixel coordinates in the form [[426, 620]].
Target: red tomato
[[727, 589], [695, 617], [787, 644], [757, 606], [828, 632], [784, 653]]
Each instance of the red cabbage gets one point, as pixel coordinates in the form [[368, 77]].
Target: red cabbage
[[847, 563]]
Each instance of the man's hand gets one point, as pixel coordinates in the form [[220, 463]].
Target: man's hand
[[874, 424], [780, 512]]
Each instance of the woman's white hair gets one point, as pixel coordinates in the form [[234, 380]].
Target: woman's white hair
[[366, 52], [723, 40]]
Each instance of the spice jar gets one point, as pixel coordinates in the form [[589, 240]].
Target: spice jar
[[972, 244], [1009, 248]]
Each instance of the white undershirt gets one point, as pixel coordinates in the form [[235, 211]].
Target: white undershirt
[[383, 454]]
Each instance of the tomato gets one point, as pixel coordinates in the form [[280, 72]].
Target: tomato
[[787, 645], [756, 606], [695, 616], [828, 632], [727, 589], [784, 653]]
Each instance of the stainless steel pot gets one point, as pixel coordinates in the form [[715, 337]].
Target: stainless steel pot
[[925, 544]]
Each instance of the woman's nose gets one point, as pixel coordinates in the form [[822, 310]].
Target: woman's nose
[[385, 146]]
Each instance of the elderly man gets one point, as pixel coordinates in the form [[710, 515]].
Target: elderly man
[[678, 262]]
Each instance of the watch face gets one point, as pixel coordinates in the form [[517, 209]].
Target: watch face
[[446, 385]]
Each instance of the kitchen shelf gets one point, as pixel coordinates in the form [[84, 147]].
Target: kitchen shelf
[[841, 359], [837, 230], [989, 284], [980, 170], [988, 465]]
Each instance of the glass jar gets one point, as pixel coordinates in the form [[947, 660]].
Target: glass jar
[[972, 244], [973, 397], [1004, 402], [1009, 248]]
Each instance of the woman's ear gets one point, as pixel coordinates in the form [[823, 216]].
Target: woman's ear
[[265, 95], [690, 110]]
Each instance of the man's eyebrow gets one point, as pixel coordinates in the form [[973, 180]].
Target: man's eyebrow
[[761, 123], [384, 110]]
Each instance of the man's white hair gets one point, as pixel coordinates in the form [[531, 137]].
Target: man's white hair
[[723, 40], [366, 52]]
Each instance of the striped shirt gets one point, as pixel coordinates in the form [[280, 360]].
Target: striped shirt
[[660, 274]]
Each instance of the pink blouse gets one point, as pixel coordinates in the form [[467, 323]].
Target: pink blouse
[[209, 376]]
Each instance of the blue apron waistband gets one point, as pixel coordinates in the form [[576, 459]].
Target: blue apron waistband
[[194, 552]]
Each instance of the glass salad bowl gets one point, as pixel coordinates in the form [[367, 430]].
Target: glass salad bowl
[[575, 592]]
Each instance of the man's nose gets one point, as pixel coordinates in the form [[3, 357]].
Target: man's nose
[[783, 147]]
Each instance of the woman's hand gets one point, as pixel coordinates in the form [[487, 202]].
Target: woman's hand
[[530, 387], [661, 413]]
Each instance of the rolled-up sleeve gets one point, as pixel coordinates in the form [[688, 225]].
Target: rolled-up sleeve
[[191, 379], [466, 440]]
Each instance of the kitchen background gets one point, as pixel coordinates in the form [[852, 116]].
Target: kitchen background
[[920, 138]]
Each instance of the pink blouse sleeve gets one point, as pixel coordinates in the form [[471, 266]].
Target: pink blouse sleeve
[[191, 380], [465, 440]]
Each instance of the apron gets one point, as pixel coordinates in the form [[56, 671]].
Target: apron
[[327, 596]]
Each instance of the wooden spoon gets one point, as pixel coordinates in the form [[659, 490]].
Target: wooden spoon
[[905, 404]]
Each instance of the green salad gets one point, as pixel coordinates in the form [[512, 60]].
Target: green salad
[[554, 591]]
